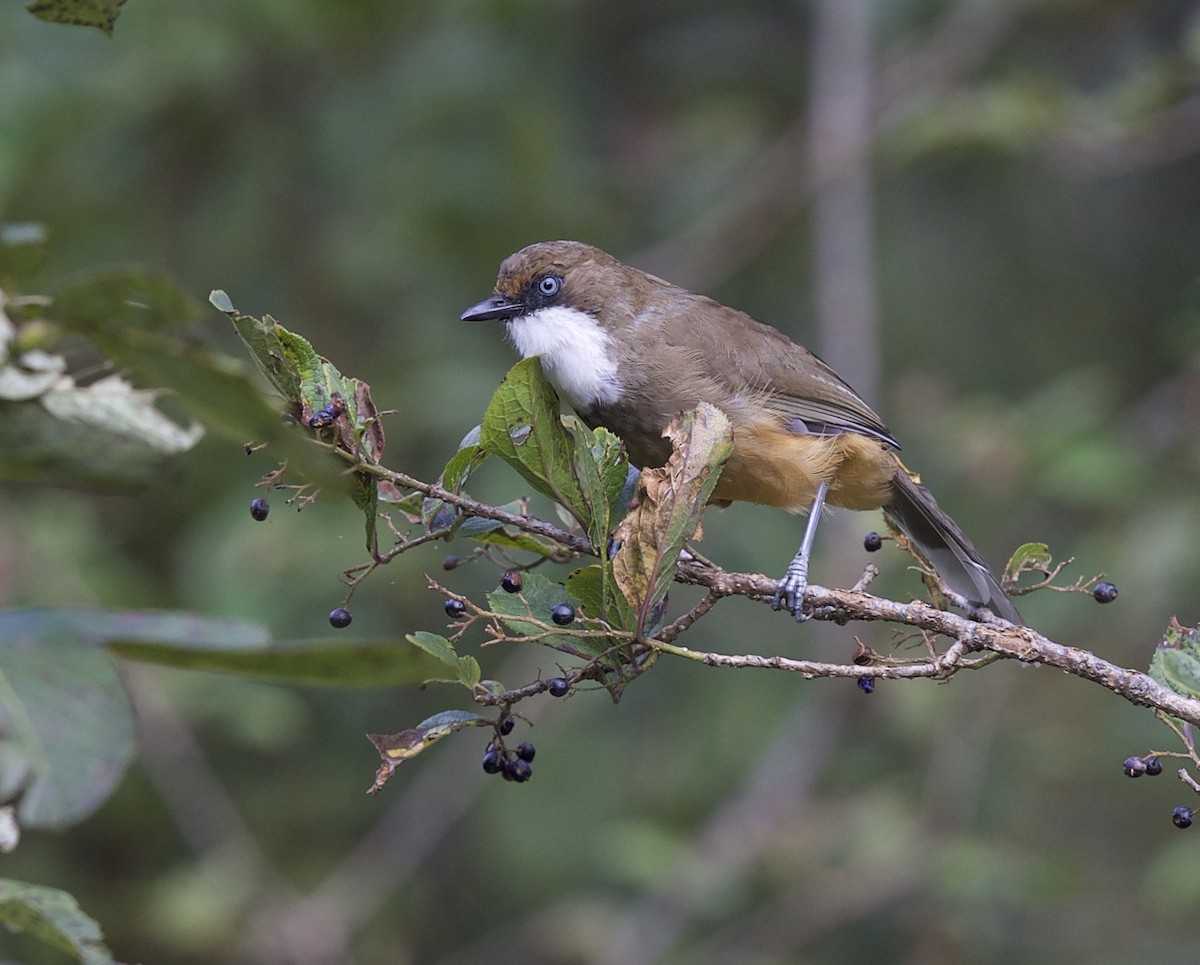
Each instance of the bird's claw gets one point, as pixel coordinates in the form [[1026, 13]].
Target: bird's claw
[[789, 595]]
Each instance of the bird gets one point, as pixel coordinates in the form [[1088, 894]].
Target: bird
[[630, 352]]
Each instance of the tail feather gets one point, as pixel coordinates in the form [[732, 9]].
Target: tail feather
[[915, 512]]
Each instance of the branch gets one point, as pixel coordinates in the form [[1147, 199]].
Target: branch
[[1018, 643], [528, 524]]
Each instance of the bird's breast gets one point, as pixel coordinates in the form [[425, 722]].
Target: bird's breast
[[577, 354]]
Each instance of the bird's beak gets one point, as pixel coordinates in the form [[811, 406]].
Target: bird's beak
[[492, 308]]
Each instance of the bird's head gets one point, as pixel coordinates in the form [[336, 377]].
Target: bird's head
[[556, 275]]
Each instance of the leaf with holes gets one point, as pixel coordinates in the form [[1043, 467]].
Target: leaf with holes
[[1176, 661], [523, 427], [672, 501]]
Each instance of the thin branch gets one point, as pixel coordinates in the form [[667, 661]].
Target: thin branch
[[528, 524], [1019, 643]]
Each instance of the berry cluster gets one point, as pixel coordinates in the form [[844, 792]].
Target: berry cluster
[[1136, 766], [516, 765], [1152, 766]]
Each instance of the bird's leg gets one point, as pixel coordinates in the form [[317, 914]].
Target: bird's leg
[[790, 591]]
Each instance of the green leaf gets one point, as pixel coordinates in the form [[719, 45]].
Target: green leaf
[[515, 540], [1029, 557], [598, 595], [669, 512], [1176, 661], [600, 468], [466, 669], [464, 462], [66, 727], [54, 918], [523, 427], [436, 646], [395, 749], [586, 585], [318, 663], [539, 595]]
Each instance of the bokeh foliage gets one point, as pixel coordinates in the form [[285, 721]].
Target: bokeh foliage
[[358, 170]]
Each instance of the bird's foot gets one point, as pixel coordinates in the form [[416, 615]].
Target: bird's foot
[[789, 594]]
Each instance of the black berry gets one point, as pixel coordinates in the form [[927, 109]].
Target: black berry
[[511, 582], [1104, 592], [563, 614], [455, 608], [259, 508], [1134, 767], [506, 726], [493, 761], [558, 686], [340, 618], [866, 685], [450, 562], [872, 541], [526, 751], [519, 770], [1153, 767], [1182, 817]]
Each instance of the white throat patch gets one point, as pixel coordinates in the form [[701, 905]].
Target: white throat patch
[[575, 353]]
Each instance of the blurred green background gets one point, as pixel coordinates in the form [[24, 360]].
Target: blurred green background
[[985, 214]]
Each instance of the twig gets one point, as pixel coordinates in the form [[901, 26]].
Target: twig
[[1005, 640]]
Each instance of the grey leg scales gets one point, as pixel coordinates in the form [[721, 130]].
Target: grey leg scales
[[789, 593]]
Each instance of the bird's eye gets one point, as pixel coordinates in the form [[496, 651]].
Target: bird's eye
[[549, 285]]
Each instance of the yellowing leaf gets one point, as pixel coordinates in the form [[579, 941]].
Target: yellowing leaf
[[395, 749], [672, 501]]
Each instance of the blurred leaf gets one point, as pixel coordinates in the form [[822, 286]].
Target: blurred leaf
[[1176, 660], [319, 663], [101, 14], [104, 435], [54, 918], [669, 512], [466, 669], [66, 727], [23, 249], [523, 427], [395, 749], [1002, 115], [117, 299], [31, 375], [130, 314]]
